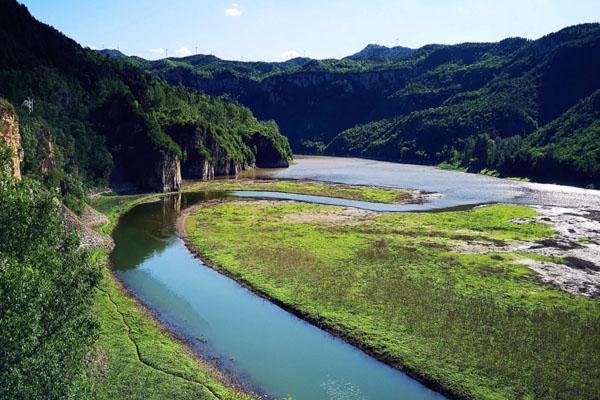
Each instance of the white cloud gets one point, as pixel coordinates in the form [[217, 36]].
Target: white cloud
[[233, 10], [289, 54], [157, 51], [183, 52], [91, 47]]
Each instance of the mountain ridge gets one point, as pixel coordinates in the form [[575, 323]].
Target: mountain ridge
[[105, 118], [422, 107]]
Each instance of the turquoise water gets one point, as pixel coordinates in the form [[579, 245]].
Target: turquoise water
[[252, 340]]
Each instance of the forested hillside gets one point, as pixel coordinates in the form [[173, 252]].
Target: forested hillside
[[96, 118], [473, 105]]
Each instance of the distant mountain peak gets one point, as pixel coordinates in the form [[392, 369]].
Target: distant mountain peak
[[379, 52], [113, 53], [374, 46]]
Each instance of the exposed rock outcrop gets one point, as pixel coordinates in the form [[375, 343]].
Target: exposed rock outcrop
[[88, 236], [10, 136], [576, 243], [166, 174], [156, 171], [205, 158], [194, 142], [48, 151], [267, 155]]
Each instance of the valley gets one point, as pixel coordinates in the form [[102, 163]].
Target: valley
[[524, 108], [267, 244], [418, 221]]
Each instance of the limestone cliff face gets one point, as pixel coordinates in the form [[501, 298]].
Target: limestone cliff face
[[267, 155], [164, 175], [169, 172], [48, 152], [205, 158], [196, 164], [156, 171], [10, 136]]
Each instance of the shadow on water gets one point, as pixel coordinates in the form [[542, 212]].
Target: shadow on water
[[149, 228]]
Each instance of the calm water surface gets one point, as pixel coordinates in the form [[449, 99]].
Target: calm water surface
[[256, 342], [457, 188]]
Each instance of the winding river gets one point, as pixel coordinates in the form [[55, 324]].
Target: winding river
[[258, 344]]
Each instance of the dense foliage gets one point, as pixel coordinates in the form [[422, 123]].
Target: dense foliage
[[46, 292], [434, 104], [74, 92]]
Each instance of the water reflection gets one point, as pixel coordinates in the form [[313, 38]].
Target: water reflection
[[248, 337]]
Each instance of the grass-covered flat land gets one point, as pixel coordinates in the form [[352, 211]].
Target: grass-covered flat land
[[479, 325], [134, 357], [351, 192], [113, 205]]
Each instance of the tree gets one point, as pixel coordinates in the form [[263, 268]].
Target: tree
[[46, 292]]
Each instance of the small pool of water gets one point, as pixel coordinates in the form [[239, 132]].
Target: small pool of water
[[335, 201]]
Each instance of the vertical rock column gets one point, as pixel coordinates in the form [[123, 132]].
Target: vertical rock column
[[10, 136], [169, 173]]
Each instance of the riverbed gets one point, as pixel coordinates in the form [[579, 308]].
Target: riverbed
[[456, 188]]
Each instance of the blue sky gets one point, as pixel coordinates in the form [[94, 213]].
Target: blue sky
[[273, 30]]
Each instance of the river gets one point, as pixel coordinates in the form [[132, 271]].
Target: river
[[253, 341]]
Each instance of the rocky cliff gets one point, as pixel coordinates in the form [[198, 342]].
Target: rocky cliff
[[48, 152], [166, 174], [204, 157], [267, 155], [10, 136]]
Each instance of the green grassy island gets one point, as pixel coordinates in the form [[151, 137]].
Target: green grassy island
[[350, 192]]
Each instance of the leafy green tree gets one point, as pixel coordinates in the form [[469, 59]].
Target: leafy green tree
[[47, 285]]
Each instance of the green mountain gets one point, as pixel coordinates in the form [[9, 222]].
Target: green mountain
[[97, 117], [378, 53], [426, 105]]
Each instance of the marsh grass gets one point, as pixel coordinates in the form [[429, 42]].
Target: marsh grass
[[351, 192], [481, 325]]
